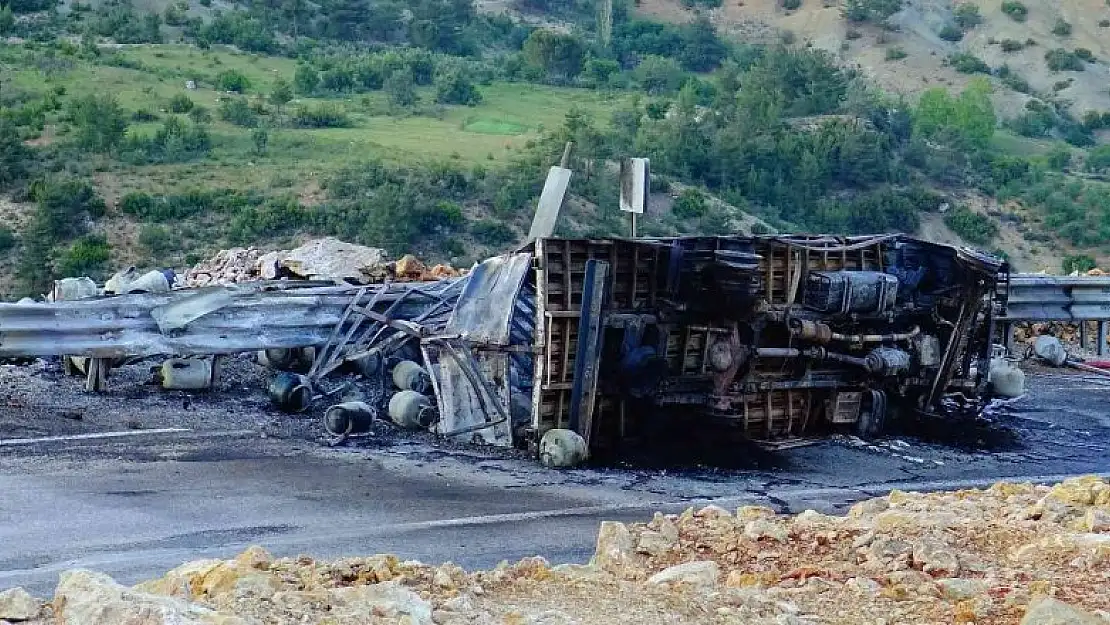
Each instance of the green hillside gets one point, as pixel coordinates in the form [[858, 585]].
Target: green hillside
[[153, 138]]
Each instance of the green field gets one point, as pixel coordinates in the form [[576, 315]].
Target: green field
[[490, 133]]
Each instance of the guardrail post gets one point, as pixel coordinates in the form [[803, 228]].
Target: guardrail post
[[1101, 338], [1008, 337], [1084, 341]]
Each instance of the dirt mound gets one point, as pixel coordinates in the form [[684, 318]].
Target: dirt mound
[[1012, 553]]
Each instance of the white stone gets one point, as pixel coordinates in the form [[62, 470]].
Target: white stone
[[864, 585], [89, 598], [1049, 611], [17, 605], [697, 573], [762, 528], [654, 543], [959, 589], [387, 598], [614, 546]]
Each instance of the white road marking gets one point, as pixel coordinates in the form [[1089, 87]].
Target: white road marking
[[92, 436]]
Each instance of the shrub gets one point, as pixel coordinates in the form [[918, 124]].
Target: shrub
[[238, 111], [400, 87], [260, 138], [1013, 81], [7, 239], [306, 79], [89, 255], [281, 92], [175, 142], [870, 10], [99, 121], [1016, 10], [1060, 60], [967, 15], [1061, 28], [971, 226], [1077, 262], [322, 116], [454, 87], [200, 115], [951, 32], [492, 232], [181, 103], [967, 63], [895, 53], [1085, 54], [1104, 23], [233, 81], [1011, 45], [791, 5], [158, 240], [690, 204]]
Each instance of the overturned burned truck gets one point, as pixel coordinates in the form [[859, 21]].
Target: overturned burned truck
[[783, 337]]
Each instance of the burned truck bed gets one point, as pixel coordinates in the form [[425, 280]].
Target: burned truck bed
[[782, 338]]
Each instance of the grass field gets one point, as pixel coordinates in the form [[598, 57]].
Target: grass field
[[509, 115]]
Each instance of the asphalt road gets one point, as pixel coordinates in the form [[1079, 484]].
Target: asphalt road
[[234, 474]]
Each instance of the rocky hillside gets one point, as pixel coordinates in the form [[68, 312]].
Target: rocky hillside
[[910, 50], [1014, 553]]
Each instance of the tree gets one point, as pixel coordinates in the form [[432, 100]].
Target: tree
[[690, 204], [7, 20], [233, 81], [455, 87], [559, 55], [261, 138], [99, 122], [400, 88], [281, 93], [597, 71], [966, 121], [306, 79], [658, 75], [14, 156], [967, 15], [704, 50], [181, 103]]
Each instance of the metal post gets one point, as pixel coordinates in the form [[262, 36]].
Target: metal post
[[1008, 337], [1101, 338], [1084, 341]]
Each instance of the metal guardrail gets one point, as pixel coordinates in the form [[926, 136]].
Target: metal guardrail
[[190, 322], [1069, 299]]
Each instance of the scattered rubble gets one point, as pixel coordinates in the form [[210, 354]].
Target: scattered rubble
[[319, 259], [1013, 553]]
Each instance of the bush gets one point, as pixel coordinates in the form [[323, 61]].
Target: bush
[[238, 111], [870, 10], [1104, 23], [7, 239], [260, 138], [492, 232], [175, 142], [99, 123], [454, 87], [791, 5], [181, 103], [895, 53], [967, 63], [1077, 262], [306, 79], [281, 93], [690, 204], [658, 75], [967, 15], [971, 226], [400, 88], [88, 256], [1011, 45], [158, 240], [1060, 60], [233, 81], [1061, 28], [1098, 159], [1016, 10], [322, 116], [951, 32], [1085, 54], [200, 115]]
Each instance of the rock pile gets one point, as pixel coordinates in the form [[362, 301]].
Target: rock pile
[[319, 259], [226, 267], [1013, 553]]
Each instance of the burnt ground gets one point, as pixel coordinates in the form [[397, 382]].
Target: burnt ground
[[191, 475]]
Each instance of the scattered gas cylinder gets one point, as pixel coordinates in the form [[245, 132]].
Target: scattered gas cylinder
[[410, 376], [187, 374], [347, 418], [561, 448], [411, 410], [291, 392], [1006, 378]]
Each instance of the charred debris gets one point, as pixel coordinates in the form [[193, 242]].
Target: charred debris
[[576, 348]]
